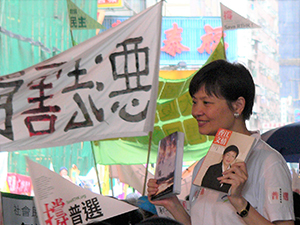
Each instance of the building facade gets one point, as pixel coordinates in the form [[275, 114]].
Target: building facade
[[289, 50], [197, 24]]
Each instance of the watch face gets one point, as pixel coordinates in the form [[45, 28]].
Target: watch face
[[244, 213]]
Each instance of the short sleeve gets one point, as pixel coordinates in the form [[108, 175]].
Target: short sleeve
[[277, 186]]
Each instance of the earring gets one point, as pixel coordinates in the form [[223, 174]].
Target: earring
[[236, 114]]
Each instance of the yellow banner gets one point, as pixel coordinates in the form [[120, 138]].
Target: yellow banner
[[110, 3]]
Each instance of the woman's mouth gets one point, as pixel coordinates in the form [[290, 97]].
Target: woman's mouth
[[202, 123]]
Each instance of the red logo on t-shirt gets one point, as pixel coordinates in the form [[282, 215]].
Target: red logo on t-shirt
[[275, 195], [202, 191], [286, 196]]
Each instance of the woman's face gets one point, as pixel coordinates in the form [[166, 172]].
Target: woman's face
[[229, 157], [212, 113]]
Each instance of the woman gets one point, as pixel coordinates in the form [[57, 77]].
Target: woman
[[223, 97], [214, 171]]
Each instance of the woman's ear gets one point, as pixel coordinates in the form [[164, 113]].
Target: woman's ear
[[239, 105]]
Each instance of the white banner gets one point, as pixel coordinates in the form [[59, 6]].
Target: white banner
[[134, 175], [231, 20], [59, 201], [18, 209], [105, 87]]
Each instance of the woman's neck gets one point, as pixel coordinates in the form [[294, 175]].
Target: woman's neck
[[240, 127]]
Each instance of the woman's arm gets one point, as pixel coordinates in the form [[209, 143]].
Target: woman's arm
[[172, 204], [253, 216], [237, 175]]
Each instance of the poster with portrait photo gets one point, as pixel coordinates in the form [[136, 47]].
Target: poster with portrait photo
[[227, 148], [168, 169]]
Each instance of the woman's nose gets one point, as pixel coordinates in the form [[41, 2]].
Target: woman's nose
[[197, 111]]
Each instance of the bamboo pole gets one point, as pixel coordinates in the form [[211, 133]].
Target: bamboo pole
[[148, 157], [72, 38], [98, 179]]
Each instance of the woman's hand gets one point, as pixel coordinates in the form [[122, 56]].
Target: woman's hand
[[237, 176], [172, 204], [152, 189]]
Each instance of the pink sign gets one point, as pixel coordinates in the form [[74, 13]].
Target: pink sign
[[19, 184]]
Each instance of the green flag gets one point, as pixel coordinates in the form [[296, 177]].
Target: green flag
[[79, 20], [173, 113], [218, 53]]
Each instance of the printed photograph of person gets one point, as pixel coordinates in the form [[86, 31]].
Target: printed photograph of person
[[214, 171], [167, 159]]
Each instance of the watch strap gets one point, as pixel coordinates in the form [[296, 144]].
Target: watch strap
[[245, 211]]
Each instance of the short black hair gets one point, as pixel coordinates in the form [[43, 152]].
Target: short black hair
[[226, 80], [231, 148], [132, 217], [159, 221]]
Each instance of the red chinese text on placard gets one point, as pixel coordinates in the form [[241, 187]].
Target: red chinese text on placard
[[222, 137], [19, 184], [116, 23], [211, 39], [227, 15], [172, 41], [55, 213]]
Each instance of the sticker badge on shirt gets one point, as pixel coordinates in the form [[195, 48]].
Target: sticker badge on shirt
[[278, 195], [200, 191]]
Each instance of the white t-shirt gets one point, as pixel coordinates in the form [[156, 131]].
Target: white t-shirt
[[268, 189]]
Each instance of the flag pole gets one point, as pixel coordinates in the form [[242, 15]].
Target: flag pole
[[72, 38], [223, 42], [222, 37], [98, 179], [111, 180], [148, 157]]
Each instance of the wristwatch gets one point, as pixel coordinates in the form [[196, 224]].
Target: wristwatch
[[245, 211]]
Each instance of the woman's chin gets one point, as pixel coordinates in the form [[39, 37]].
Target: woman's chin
[[206, 132]]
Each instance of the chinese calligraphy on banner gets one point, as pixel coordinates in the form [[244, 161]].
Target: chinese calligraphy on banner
[[19, 184], [59, 201], [231, 20], [17, 209], [79, 19], [105, 87]]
